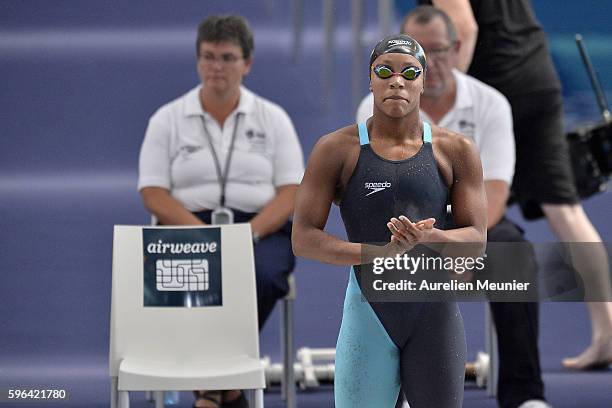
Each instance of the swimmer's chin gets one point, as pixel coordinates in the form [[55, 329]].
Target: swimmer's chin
[[395, 114]]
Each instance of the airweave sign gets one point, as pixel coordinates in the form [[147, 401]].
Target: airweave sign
[[182, 267]]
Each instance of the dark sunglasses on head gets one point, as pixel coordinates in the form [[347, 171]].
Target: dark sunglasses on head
[[385, 72]]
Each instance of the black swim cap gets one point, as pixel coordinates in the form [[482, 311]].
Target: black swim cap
[[402, 44]]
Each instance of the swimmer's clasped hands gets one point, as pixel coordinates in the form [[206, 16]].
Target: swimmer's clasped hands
[[409, 233], [405, 234]]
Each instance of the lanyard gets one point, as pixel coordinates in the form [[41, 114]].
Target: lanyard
[[222, 177]]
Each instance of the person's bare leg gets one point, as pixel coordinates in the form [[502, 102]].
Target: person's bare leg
[[232, 395], [207, 399], [571, 224]]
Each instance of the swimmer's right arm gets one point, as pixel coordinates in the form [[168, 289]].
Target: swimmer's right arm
[[313, 202]]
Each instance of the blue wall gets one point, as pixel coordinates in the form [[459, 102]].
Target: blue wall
[[79, 81], [81, 78]]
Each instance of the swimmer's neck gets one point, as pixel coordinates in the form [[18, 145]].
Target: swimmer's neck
[[405, 128]]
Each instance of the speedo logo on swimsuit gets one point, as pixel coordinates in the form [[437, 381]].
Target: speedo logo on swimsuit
[[376, 187], [400, 42]]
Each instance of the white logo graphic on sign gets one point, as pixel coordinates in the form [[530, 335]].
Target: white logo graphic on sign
[[181, 275]]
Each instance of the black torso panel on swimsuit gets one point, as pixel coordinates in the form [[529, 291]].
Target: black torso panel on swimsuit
[[380, 189]]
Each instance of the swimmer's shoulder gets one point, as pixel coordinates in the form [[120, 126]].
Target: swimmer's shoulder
[[341, 142], [453, 152], [451, 144]]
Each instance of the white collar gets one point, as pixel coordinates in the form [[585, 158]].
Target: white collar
[[193, 106]]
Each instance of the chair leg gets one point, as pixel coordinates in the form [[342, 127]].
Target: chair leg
[[284, 348], [250, 396], [124, 399], [491, 348], [288, 378], [158, 397], [114, 392], [259, 398]]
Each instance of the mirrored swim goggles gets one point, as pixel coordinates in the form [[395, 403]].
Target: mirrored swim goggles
[[408, 73]]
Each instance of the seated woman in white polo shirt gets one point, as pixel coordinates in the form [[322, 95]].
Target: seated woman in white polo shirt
[[222, 149]]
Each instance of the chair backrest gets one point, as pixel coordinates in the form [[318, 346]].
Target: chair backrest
[[144, 327]]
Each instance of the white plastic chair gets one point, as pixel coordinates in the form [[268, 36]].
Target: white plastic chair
[[180, 348]]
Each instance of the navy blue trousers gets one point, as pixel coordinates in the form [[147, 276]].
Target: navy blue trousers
[[516, 323]]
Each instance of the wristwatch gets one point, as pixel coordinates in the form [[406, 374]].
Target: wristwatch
[[256, 237]]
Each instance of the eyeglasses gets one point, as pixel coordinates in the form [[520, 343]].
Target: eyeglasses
[[408, 73], [224, 59], [439, 52]]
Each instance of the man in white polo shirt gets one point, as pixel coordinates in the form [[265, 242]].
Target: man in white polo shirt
[[220, 154], [465, 105]]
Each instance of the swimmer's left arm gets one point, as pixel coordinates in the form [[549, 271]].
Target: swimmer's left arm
[[468, 201], [468, 197]]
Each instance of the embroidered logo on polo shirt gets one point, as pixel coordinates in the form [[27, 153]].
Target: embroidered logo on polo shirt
[[189, 149], [376, 187], [253, 135], [466, 128], [257, 141]]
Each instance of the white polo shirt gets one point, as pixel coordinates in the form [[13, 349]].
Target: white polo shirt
[[481, 113], [175, 153]]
